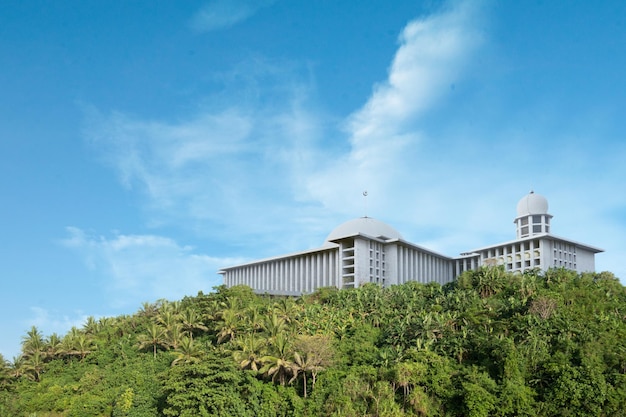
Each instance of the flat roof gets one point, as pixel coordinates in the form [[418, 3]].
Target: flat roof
[[540, 236]]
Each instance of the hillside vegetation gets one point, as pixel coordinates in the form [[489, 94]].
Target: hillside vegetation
[[489, 344]]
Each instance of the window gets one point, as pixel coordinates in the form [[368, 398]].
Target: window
[[524, 221], [536, 219], [537, 228]]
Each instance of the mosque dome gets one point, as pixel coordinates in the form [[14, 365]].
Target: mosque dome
[[364, 225], [532, 203]]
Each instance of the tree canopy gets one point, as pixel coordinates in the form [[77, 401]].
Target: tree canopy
[[489, 344]]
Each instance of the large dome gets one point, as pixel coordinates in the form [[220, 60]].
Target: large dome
[[364, 225], [532, 204]]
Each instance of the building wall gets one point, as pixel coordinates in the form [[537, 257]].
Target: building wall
[[292, 275], [515, 256], [586, 261], [466, 263], [563, 254], [413, 264], [359, 259]]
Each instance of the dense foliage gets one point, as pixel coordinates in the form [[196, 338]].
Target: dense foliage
[[489, 344]]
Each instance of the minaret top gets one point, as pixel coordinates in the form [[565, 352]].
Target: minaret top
[[532, 216], [532, 203]]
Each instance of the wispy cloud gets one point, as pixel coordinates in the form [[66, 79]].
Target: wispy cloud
[[220, 172], [220, 14], [385, 134], [137, 268], [51, 322]]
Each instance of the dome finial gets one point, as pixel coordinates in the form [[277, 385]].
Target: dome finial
[[365, 202]]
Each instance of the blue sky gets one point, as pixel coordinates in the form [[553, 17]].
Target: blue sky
[[143, 146]]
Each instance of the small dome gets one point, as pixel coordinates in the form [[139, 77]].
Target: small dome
[[365, 225], [532, 204]]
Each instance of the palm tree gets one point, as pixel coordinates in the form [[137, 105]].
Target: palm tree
[[274, 325], [167, 318], [300, 366], [287, 309], [228, 325], [17, 367], [187, 352], [278, 366], [4, 371], [53, 346], [165, 306], [76, 343], [34, 365], [191, 321], [33, 342], [175, 335], [249, 354], [107, 327], [83, 345], [91, 326], [154, 337], [147, 309], [252, 318], [176, 307]]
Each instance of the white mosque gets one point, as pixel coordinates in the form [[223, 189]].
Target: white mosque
[[366, 250]]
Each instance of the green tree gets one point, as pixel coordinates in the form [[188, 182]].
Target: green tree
[[188, 352], [34, 365], [53, 346], [4, 373], [227, 325], [208, 388], [153, 338], [249, 351], [278, 365], [313, 354], [33, 342], [192, 322]]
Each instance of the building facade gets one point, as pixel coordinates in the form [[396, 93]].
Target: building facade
[[366, 250]]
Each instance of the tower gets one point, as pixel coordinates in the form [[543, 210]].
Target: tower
[[532, 216]]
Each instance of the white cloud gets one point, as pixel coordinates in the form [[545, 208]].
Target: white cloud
[[220, 172], [49, 322], [137, 268], [384, 135], [220, 14]]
